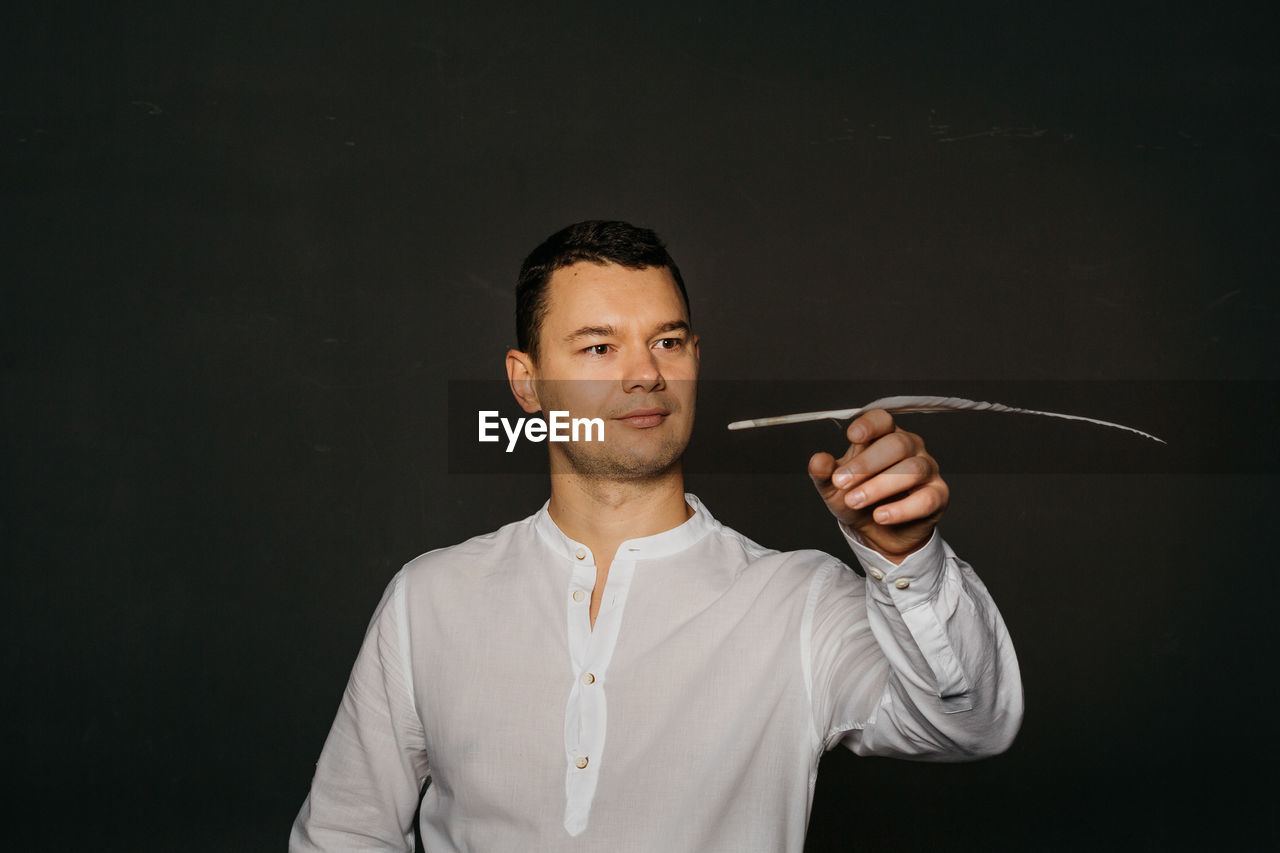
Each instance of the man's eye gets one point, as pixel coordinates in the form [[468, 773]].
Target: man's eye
[[670, 343], [597, 349]]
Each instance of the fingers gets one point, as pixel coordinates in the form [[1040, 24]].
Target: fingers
[[928, 501], [869, 426], [887, 450], [898, 478], [912, 474]]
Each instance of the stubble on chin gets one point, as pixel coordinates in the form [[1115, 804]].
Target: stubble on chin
[[604, 462]]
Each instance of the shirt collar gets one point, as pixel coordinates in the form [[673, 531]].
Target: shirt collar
[[661, 544]]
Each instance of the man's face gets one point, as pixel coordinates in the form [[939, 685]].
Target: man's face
[[615, 344]]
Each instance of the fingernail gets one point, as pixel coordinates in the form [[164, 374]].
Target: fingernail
[[859, 433], [859, 498], [882, 515], [840, 478]]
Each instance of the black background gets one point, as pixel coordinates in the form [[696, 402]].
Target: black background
[[246, 247]]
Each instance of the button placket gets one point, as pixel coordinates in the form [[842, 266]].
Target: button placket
[[581, 582], [579, 721], [591, 652]]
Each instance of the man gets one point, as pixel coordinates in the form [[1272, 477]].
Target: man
[[621, 672]]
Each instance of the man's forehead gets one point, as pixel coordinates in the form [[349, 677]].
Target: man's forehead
[[606, 271], [586, 287]]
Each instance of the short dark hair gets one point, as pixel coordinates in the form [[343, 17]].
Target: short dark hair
[[595, 240]]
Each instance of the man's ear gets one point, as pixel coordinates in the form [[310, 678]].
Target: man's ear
[[520, 376]]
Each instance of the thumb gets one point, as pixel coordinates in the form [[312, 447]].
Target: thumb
[[821, 466]]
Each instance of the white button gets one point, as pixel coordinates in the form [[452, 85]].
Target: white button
[[579, 595], [588, 678], [902, 583], [580, 762], [876, 573], [581, 553]]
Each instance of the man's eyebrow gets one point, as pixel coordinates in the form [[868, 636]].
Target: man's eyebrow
[[610, 331], [590, 332]]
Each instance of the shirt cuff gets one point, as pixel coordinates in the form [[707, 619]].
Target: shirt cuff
[[912, 582]]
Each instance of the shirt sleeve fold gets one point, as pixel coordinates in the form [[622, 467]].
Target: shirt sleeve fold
[[913, 661], [365, 789]]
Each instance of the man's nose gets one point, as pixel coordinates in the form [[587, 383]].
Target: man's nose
[[643, 372]]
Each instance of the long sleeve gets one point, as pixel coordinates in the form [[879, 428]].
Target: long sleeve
[[914, 661], [365, 789]]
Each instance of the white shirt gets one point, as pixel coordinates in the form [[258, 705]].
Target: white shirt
[[693, 716]]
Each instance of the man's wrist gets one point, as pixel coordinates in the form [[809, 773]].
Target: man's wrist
[[895, 557], [904, 582]]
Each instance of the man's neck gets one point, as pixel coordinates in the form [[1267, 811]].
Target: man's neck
[[603, 514]]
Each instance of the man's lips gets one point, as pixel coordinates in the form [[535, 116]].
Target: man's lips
[[642, 418]]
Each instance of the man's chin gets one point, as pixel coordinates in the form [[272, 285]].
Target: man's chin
[[622, 465]]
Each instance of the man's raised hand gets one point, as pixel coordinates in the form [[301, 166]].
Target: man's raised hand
[[885, 486]]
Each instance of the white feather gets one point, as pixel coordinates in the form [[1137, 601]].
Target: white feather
[[904, 405]]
